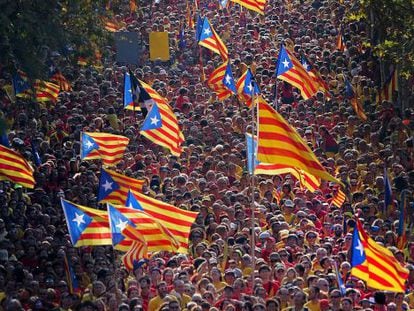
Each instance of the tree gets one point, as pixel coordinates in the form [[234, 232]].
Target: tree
[[32, 29]]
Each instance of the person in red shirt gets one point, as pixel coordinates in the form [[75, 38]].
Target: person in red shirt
[[269, 285]]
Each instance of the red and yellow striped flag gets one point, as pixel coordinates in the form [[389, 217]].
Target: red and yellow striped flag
[[87, 226], [212, 41], [376, 264], [169, 134], [108, 147], [114, 187], [279, 143], [155, 234], [15, 168], [63, 83], [390, 86], [340, 45], [339, 198], [254, 5], [138, 249], [177, 221], [46, 91], [215, 82]]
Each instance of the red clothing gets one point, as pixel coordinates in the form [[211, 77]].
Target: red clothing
[[271, 288]]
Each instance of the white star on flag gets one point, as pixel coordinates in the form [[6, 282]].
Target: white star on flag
[[154, 120], [250, 87], [88, 144], [360, 248], [79, 219], [228, 79], [286, 63], [121, 225], [207, 32], [107, 185], [306, 66]]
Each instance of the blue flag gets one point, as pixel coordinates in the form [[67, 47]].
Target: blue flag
[[132, 202], [88, 145], [284, 63], [153, 120], [199, 27], [182, 43], [228, 79], [251, 152], [128, 93], [250, 85], [117, 222], [35, 154]]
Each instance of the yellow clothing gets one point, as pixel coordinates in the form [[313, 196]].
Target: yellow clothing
[[219, 285], [155, 303], [313, 306], [113, 121]]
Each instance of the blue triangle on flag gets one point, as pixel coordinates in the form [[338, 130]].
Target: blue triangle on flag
[[107, 185]]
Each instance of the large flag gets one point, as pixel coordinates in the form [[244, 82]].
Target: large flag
[[161, 125], [279, 143], [114, 187], [211, 40], [376, 264], [306, 180], [353, 98], [221, 81], [290, 69], [390, 86], [176, 220], [46, 91], [247, 87], [155, 234], [60, 80], [402, 223], [254, 5], [315, 75], [108, 147], [86, 226], [15, 168], [138, 249]]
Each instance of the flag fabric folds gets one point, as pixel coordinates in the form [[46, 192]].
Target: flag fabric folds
[[114, 187], [21, 85], [375, 264], [71, 279], [290, 70], [340, 45], [390, 86], [108, 147], [176, 220], [46, 91], [279, 143], [15, 168], [138, 249], [156, 236], [60, 80], [128, 93], [352, 97], [306, 180], [221, 81], [211, 40], [339, 198], [254, 5], [86, 226], [315, 75], [164, 130], [388, 197], [402, 223], [247, 87]]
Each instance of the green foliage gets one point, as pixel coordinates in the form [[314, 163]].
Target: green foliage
[[392, 22], [32, 28]]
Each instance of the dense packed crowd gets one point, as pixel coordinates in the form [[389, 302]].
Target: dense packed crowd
[[300, 236]]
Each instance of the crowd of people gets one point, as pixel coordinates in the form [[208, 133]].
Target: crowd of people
[[301, 238]]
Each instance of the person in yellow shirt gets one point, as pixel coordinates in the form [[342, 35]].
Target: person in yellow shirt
[[313, 303], [158, 300], [178, 292]]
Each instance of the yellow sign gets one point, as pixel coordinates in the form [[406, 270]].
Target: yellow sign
[[159, 46]]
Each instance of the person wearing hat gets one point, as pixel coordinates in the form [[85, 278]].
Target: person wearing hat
[[288, 209]]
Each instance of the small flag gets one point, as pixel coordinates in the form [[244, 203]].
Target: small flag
[[315, 75], [182, 44], [108, 147], [339, 198], [401, 230], [71, 279], [340, 282], [86, 226], [216, 82], [247, 87], [388, 197], [138, 249], [14, 167], [114, 187], [290, 70], [340, 45], [199, 27], [164, 130], [254, 5], [21, 85], [60, 80], [46, 91], [390, 86], [352, 97], [129, 102], [211, 40], [35, 154]]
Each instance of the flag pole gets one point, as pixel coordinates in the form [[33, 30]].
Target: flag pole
[[252, 182]]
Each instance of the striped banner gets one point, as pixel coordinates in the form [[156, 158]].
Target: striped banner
[[254, 5], [15, 168]]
